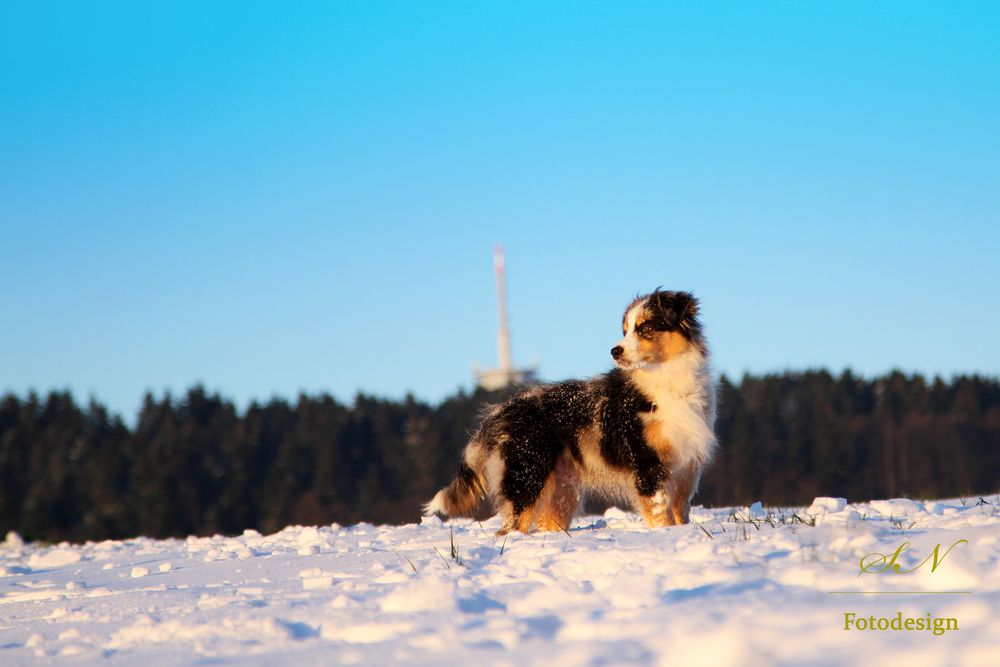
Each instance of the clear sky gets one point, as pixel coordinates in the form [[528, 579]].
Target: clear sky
[[279, 197]]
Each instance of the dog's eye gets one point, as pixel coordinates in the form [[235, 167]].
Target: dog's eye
[[646, 330]]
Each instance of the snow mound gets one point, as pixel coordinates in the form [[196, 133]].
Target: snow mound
[[54, 558], [896, 508], [827, 505]]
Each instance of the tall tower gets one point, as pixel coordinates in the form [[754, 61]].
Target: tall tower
[[505, 374], [503, 332]]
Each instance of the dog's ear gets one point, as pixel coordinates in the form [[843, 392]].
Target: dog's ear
[[676, 308], [686, 306], [687, 313]]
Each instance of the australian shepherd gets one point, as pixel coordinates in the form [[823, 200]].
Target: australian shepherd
[[639, 434]]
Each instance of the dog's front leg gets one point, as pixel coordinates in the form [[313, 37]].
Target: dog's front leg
[[656, 509]]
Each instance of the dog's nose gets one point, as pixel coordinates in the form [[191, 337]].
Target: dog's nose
[[617, 351]]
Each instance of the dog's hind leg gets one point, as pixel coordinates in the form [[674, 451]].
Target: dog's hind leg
[[526, 519], [509, 518], [514, 518], [560, 497]]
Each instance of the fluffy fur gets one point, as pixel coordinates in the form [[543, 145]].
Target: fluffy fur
[[640, 433]]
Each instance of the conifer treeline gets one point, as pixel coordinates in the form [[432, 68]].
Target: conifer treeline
[[197, 466]]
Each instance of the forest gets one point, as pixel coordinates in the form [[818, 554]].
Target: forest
[[195, 465]]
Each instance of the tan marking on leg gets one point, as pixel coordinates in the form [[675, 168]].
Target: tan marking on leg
[[681, 489], [509, 520], [527, 518], [655, 510], [560, 497]]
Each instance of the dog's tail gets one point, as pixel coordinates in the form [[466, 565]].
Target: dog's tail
[[467, 491]]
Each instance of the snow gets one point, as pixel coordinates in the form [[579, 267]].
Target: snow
[[53, 558], [739, 586], [824, 505]]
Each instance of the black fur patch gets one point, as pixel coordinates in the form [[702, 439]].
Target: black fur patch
[[536, 427], [676, 311], [623, 444]]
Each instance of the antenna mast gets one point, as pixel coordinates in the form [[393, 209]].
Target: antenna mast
[[503, 333], [504, 374]]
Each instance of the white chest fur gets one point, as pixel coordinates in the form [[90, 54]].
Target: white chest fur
[[683, 393]]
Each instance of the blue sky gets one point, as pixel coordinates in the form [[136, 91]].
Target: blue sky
[[271, 199]]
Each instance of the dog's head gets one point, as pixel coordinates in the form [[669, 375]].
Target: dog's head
[[658, 327]]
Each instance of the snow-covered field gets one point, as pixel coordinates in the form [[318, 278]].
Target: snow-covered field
[[739, 586]]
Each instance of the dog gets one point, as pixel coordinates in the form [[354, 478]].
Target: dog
[[639, 434]]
